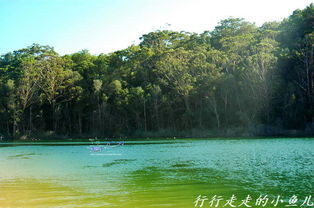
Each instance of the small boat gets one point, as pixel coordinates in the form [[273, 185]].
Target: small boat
[[95, 148]]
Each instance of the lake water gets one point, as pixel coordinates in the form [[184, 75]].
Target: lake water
[[163, 173]]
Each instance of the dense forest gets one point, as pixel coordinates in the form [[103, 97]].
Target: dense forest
[[238, 79]]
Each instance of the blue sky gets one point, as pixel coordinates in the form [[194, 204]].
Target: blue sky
[[104, 26]]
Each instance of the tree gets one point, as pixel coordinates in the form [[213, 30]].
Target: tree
[[58, 83], [296, 40]]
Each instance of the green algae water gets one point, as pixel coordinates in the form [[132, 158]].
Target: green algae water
[[163, 173]]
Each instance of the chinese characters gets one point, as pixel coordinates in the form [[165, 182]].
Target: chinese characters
[[249, 201]]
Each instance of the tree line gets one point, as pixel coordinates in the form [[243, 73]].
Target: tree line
[[237, 76]]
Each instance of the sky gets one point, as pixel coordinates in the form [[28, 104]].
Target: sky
[[104, 26]]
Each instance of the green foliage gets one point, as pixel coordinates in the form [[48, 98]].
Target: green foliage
[[236, 76]]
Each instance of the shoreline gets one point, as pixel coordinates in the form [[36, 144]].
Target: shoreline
[[86, 138], [253, 132]]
